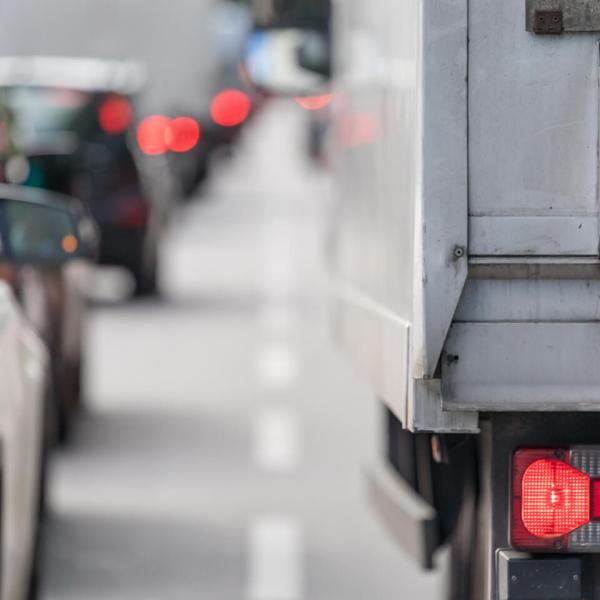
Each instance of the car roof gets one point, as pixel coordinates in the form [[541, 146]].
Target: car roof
[[35, 195], [85, 74]]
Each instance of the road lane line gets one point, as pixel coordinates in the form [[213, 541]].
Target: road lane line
[[278, 319], [276, 445], [275, 555], [277, 366]]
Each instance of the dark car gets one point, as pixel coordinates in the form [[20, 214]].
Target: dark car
[[35, 231], [87, 107], [228, 102], [52, 295]]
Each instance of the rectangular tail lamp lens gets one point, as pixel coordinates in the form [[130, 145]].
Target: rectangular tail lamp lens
[[556, 499]]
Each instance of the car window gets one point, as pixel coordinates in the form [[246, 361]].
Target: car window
[[37, 232], [44, 110]]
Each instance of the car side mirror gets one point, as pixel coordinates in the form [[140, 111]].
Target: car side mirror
[[39, 227], [288, 62]]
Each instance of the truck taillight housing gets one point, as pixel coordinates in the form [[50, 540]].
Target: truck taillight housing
[[556, 499]]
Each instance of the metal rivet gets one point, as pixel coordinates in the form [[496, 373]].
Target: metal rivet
[[514, 579], [459, 251]]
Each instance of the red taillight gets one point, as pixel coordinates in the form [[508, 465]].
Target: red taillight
[[152, 135], [183, 134], [556, 499], [114, 115], [230, 108], [157, 134], [596, 499], [314, 102]]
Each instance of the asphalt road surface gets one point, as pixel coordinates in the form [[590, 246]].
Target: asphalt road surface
[[222, 452]]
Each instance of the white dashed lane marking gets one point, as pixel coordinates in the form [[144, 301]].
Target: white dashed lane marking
[[275, 550], [276, 444], [277, 366]]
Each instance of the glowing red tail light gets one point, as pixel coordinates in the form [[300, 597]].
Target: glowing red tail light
[[230, 108], [114, 115], [158, 134], [314, 102], [596, 499], [556, 499], [152, 135], [183, 134]]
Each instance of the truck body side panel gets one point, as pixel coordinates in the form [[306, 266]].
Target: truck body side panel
[[533, 136], [401, 227]]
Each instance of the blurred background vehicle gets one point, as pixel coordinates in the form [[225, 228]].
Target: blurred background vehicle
[[41, 152], [72, 125], [38, 232], [230, 100], [53, 297]]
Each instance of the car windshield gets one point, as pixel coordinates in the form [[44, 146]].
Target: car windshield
[[44, 110]]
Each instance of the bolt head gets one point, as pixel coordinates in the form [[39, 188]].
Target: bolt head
[[459, 252]]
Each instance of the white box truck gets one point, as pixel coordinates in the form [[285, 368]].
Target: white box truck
[[467, 279]]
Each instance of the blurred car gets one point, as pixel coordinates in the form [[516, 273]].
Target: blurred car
[[229, 102], [318, 125], [54, 296], [31, 232], [87, 108]]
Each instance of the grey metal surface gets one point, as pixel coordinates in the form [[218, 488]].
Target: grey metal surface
[[529, 300], [533, 135], [524, 235], [398, 279], [577, 15], [506, 366]]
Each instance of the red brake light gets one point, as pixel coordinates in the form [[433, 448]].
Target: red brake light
[[114, 115], [152, 135], [158, 134], [314, 102], [596, 499], [555, 498], [183, 134], [230, 108]]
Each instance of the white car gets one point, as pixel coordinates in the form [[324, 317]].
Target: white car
[[23, 368]]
